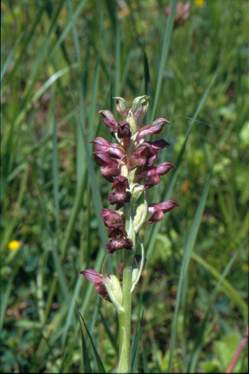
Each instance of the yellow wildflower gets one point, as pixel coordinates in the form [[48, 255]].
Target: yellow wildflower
[[199, 3], [14, 245]]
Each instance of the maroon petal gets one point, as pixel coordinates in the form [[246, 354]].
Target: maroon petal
[[155, 128], [157, 216], [98, 280], [166, 206], [110, 217], [116, 244]]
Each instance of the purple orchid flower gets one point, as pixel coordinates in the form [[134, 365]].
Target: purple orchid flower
[[155, 128], [98, 280], [151, 175], [157, 211], [120, 195]]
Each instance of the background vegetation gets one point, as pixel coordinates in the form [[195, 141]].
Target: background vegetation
[[62, 61]]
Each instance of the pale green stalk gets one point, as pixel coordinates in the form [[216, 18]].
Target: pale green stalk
[[124, 318]]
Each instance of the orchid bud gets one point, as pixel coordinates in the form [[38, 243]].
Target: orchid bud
[[131, 119], [121, 106], [140, 106]]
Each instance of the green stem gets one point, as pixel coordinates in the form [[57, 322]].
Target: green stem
[[124, 318]]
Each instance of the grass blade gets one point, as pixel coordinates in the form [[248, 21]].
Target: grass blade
[[188, 248], [85, 356], [96, 355], [164, 55]]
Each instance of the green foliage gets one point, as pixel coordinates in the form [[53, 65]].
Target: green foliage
[[61, 62]]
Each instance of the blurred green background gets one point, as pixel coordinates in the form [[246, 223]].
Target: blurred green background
[[62, 61]]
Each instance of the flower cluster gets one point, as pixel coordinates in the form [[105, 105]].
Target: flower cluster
[[130, 164]]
